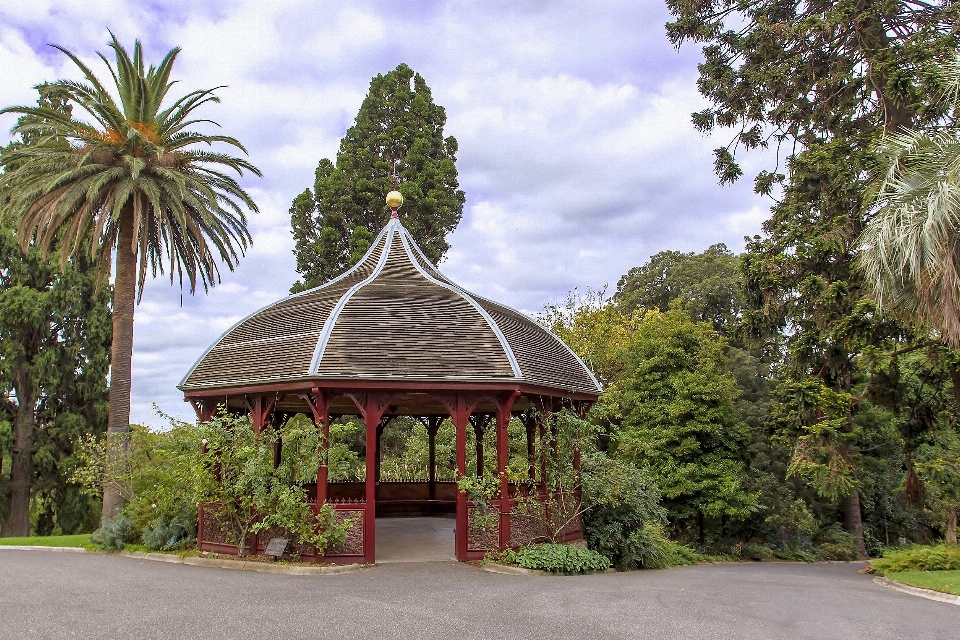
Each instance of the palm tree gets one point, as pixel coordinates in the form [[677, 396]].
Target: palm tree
[[910, 247], [133, 182]]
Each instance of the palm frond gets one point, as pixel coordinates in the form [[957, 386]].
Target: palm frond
[[137, 165]]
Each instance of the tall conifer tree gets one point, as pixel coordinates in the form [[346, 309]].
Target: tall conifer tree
[[398, 125], [823, 80], [54, 356]]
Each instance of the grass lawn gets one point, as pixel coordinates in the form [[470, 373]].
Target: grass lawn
[[945, 581], [79, 540]]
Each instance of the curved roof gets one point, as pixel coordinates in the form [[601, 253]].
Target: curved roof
[[393, 316]]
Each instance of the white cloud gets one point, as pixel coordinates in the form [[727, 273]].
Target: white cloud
[[576, 151]]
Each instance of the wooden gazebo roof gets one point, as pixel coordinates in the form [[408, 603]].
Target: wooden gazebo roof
[[392, 318]]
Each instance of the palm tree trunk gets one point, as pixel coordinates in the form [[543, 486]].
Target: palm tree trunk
[[121, 354]]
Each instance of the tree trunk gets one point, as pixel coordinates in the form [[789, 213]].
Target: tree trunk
[[955, 377], [21, 473], [875, 43], [950, 536], [121, 354], [853, 520]]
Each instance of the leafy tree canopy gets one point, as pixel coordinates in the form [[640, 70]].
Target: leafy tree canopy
[[130, 183], [820, 81], [595, 329], [908, 249], [707, 283], [398, 128], [673, 410]]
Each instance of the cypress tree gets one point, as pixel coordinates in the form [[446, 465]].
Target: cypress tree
[[398, 128], [54, 356]]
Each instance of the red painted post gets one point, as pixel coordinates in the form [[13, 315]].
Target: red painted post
[[372, 406], [433, 425], [531, 426], [504, 408], [319, 403], [204, 409], [380, 428], [542, 419], [371, 419], [478, 429], [261, 408], [460, 417]]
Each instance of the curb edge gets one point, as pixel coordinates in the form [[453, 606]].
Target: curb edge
[[929, 594]]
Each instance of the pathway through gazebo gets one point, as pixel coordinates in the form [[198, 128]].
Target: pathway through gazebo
[[415, 539]]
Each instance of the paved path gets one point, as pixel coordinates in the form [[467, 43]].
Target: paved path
[[416, 539], [60, 595]]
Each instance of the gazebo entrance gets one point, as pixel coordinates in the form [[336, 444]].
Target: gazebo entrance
[[415, 538], [394, 337]]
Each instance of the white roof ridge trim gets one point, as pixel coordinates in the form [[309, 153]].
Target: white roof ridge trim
[[373, 247], [215, 343], [551, 334], [418, 250], [345, 298], [508, 351], [593, 378]]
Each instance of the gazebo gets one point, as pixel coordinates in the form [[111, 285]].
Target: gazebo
[[392, 337]]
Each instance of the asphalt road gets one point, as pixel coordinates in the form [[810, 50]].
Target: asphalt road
[[60, 595]]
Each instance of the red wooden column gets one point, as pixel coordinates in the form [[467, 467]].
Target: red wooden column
[[504, 408], [460, 406], [581, 409], [204, 408], [371, 406], [261, 408], [319, 402], [480, 423], [544, 408], [530, 425], [433, 425]]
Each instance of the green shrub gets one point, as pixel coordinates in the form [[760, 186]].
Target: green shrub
[[796, 555], [756, 552], [165, 536], [558, 558], [837, 544], [649, 548], [681, 555], [622, 501], [918, 558], [115, 533]]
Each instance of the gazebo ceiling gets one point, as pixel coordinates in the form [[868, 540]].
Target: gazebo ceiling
[[391, 318]]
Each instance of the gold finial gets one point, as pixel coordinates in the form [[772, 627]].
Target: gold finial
[[394, 198]]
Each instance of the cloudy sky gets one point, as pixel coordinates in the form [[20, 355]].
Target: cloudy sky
[[576, 150]]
